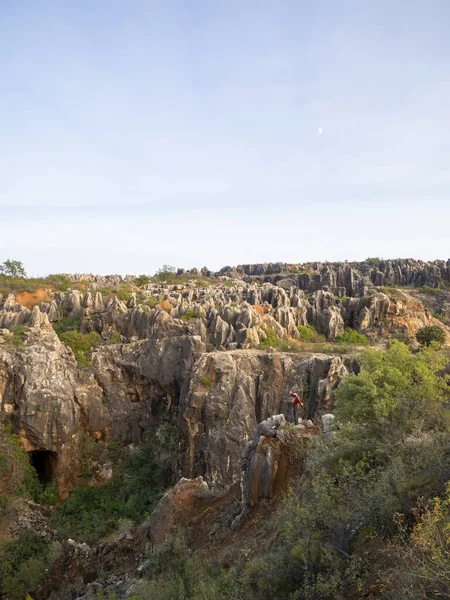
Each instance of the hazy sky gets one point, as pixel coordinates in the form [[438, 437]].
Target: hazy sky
[[210, 132]]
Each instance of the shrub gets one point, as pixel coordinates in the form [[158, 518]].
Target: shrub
[[401, 337], [124, 291], [82, 345], [67, 324], [137, 483], [340, 516], [115, 337], [142, 280], [166, 273], [431, 290], [58, 282], [373, 261], [431, 333], [17, 476], [16, 336], [23, 563], [202, 283], [394, 388], [307, 333], [206, 382], [440, 317], [152, 302], [191, 314], [351, 336], [271, 341]]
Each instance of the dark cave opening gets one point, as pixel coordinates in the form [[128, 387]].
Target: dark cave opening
[[44, 462]]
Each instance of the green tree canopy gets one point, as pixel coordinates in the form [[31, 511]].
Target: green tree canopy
[[431, 333], [12, 268], [394, 388]]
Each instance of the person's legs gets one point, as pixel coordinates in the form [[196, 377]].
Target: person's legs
[[294, 411]]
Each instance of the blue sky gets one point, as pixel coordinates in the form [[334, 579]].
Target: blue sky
[[139, 133]]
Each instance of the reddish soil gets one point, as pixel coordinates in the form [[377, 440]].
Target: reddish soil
[[30, 299]]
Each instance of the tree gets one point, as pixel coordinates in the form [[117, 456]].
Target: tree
[[142, 280], [12, 268], [166, 273], [430, 333], [394, 389]]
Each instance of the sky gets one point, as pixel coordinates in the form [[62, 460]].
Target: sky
[[139, 133]]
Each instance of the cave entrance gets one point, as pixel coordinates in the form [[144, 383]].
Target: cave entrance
[[44, 462]]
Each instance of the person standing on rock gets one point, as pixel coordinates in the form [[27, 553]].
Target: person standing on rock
[[296, 403]]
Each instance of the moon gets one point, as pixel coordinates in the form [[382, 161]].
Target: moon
[[320, 130]]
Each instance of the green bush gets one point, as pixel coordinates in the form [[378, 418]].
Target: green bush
[[440, 317], [59, 282], [115, 338], [67, 324], [152, 302], [271, 341], [172, 571], [17, 476], [430, 290], [137, 484], [82, 345], [351, 336], [206, 382], [373, 261], [22, 564], [307, 333], [124, 291], [13, 280], [166, 273], [431, 333], [395, 387], [16, 336], [203, 283], [142, 280], [401, 337], [191, 314]]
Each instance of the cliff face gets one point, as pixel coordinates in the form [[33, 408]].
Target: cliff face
[[229, 393], [189, 354], [215, 399]]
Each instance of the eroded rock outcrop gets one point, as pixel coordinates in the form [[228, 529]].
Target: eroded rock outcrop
[[43, 398], [270, 460], [216, 399], [243, 314], [229, 393]]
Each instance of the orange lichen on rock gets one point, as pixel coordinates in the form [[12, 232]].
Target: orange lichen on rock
[[165, 305], [259, 309]]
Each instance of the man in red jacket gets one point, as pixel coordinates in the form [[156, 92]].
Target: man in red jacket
[[296, 403]]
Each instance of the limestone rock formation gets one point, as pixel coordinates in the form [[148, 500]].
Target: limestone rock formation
[[190, 355], [229, 393], [42, 397], [268, 461]]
